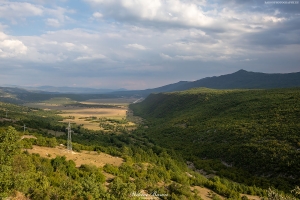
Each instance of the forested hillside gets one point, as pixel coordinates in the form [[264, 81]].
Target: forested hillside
[[250, 136], [147, 168], [190, 123]]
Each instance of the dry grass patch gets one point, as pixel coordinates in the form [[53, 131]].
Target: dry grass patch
[[28, 136], [80, 115], [205, 194], [84, 157]]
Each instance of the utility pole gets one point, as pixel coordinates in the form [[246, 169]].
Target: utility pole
[[24, 127], [69, 142]]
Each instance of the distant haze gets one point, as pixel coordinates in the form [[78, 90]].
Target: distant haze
[[143, 44]]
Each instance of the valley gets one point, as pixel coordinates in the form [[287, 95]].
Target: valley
[[195, 144], [95, 114]]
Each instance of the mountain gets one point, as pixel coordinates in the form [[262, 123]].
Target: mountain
[[19, 95], [72, 90], [248, 135], [246, 80], [240, 79], [143, 93]]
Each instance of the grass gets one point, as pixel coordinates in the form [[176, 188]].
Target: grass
[[84, 157]]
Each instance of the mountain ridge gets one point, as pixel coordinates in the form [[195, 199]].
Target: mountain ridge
[[240, 79]]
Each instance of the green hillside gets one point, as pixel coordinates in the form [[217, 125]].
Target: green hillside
[[146, 166], [250, 136], [150, 162]]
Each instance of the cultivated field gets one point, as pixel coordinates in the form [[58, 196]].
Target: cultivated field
[[94, 114], [88, 116]]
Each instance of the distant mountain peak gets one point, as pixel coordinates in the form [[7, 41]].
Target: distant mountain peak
[[241, 71]]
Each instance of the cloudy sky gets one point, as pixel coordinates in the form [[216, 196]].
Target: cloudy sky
[[137, 44]]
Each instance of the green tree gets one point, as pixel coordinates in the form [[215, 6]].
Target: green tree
[[9, 147]]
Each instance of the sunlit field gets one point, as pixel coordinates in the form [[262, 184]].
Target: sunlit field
[[84, 157], [111, 113]]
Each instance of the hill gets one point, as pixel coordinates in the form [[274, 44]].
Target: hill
[[144, 93], [147, 168], [71, 90], [19, 95], [246, 80], [251, 136], [55, 173], [237, 80]]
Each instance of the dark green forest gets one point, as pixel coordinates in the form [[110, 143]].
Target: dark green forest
[[249, 136], [223, 132]]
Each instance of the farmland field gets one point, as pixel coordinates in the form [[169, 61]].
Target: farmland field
[[94, 114]]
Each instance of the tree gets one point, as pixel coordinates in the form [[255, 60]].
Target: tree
[[9, 147]]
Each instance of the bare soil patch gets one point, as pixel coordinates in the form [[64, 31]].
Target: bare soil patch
[[84, 157], [28, 136], [204, 193]]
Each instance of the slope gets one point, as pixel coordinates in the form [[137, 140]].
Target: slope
[[239, 79], [248, 80], [253, 130]]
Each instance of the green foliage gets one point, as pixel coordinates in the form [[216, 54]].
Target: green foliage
[[111, 169], [154, 156], [9, 147], [92, 170], [121, 190], [238, 134]]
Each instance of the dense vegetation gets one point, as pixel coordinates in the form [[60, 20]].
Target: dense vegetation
[[148, 164], [250, 136]]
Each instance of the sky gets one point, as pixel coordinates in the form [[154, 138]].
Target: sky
[[138, 44]]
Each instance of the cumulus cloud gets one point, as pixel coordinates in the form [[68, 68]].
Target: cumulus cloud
[[174, 12], [15, 10], [11, 47], [117, 41]]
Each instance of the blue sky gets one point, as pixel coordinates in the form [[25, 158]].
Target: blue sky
[[137, 44]]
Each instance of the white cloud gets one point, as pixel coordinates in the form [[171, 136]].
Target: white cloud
[[165, 56], [90, 57], [136, 46], [163, 11], [53, 22], [122, 39], [20, 11], [15, 10], [12, 48], [97, 15]]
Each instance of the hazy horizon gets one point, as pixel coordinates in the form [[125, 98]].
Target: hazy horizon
[[143, 44]]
